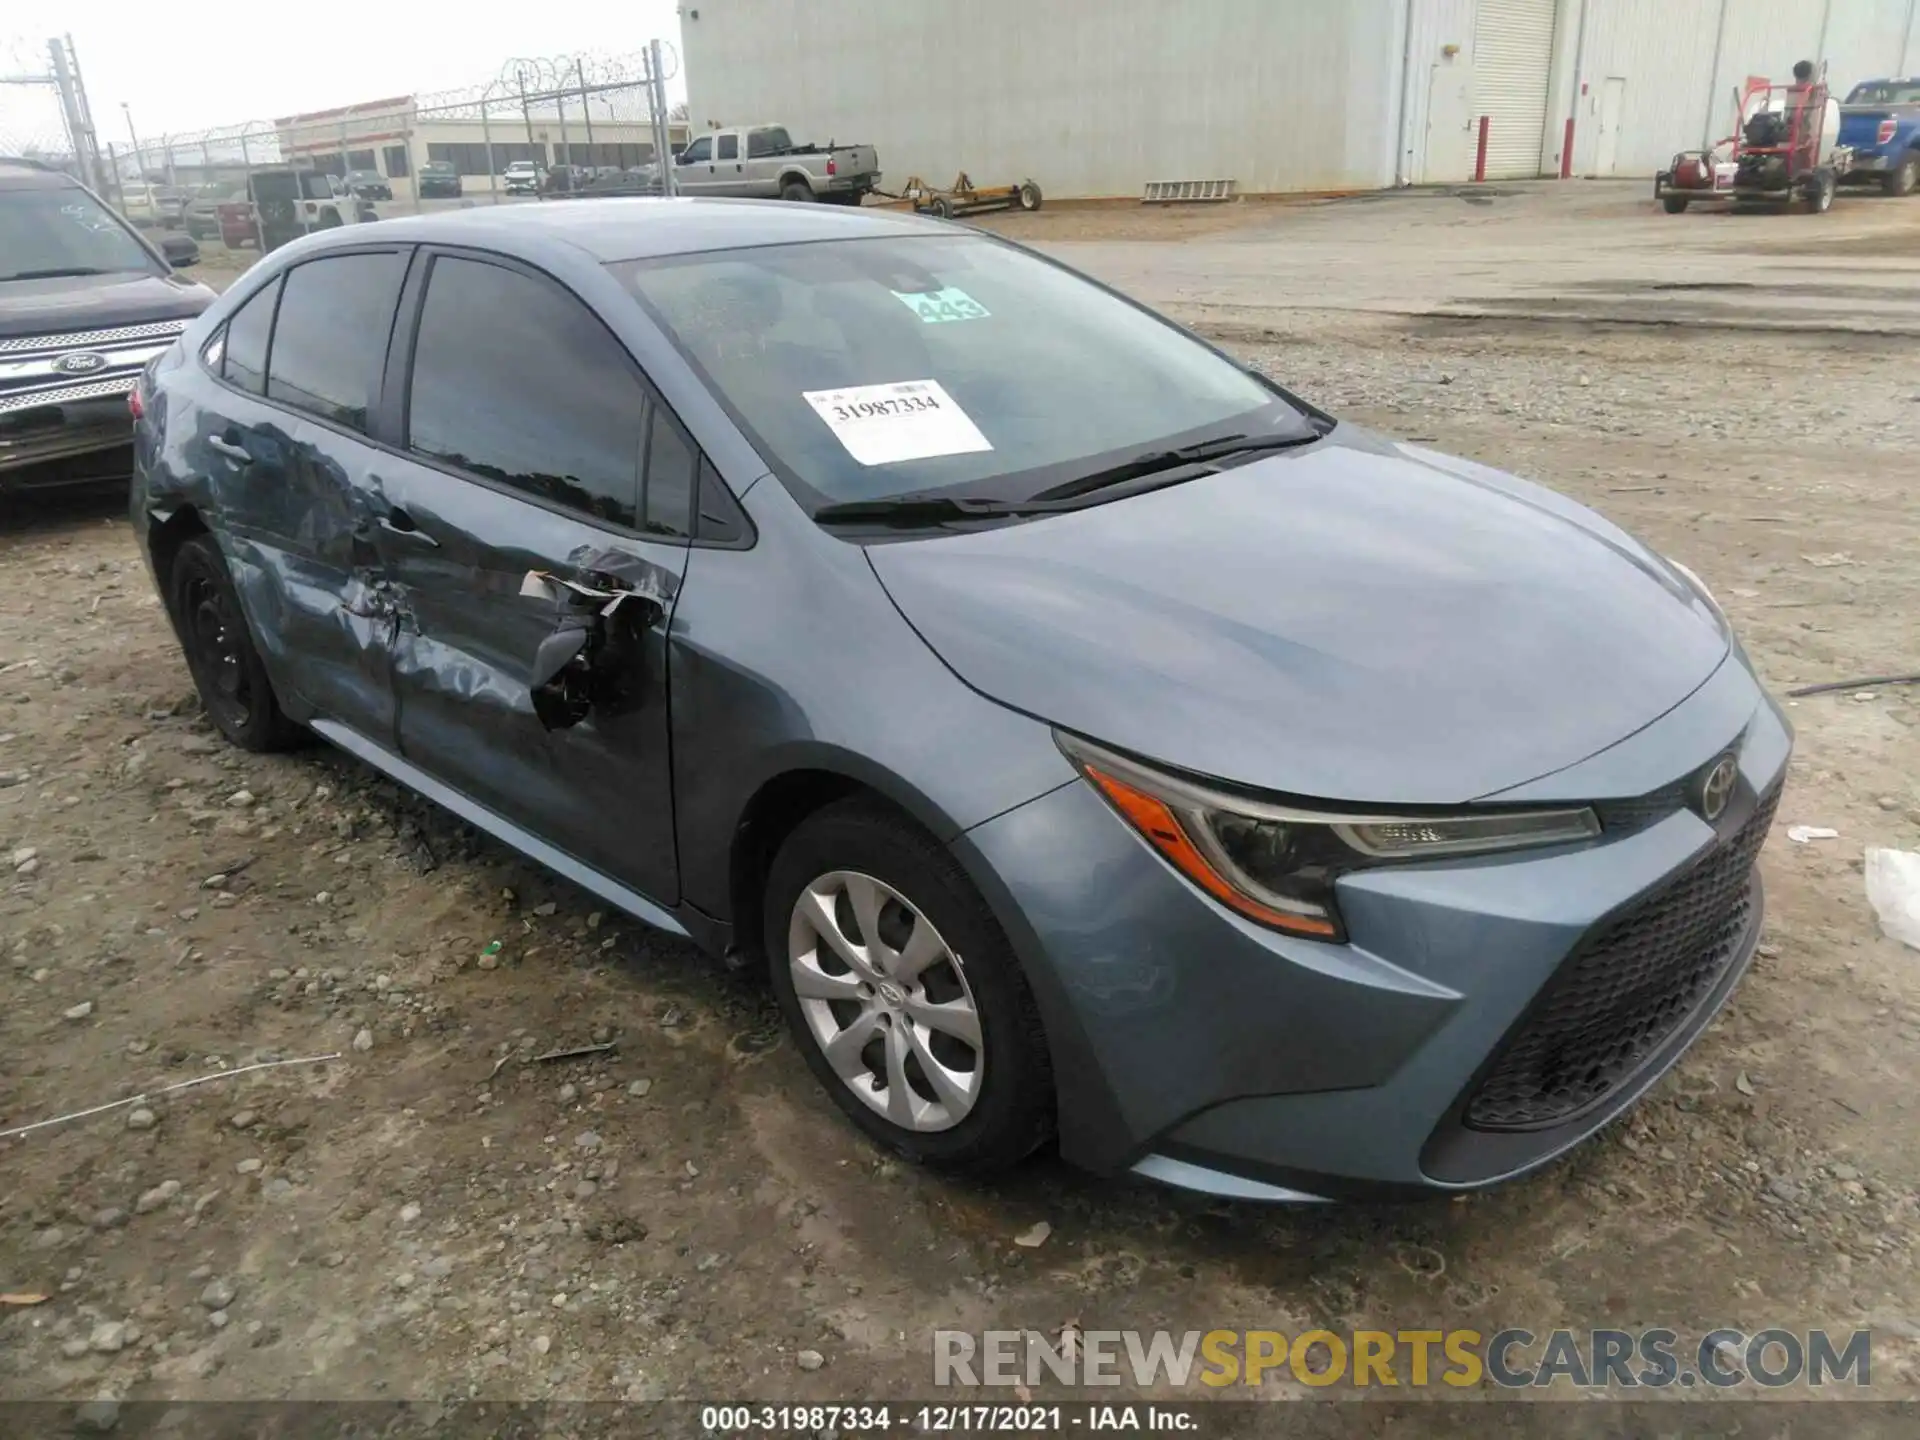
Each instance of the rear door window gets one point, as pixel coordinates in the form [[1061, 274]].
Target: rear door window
[[516, 381], [244, 361], [330, 341]]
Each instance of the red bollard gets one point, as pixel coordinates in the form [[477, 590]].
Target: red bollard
[[1480, 159], [1566, 152]]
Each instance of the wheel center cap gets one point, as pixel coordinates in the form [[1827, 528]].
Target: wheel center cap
[[892, 993]]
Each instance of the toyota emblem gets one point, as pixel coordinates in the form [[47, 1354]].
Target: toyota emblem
[[80, 362], [1717, 789]]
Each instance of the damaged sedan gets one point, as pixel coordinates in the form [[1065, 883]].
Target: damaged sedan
[[1097, 743]]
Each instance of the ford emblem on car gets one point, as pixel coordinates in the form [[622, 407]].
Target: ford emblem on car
[[80, 362]]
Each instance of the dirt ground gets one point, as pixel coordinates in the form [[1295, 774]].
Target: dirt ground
[[440, 1213]]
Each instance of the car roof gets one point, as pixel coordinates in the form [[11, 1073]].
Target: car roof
[[644, 227]]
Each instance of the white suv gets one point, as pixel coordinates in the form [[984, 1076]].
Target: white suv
[[523, 178]]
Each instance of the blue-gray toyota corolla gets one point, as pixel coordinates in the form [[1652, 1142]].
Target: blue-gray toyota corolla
[[1096, 742]]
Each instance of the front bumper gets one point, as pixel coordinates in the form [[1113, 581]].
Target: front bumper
[[1201, 1050], [52, 444]]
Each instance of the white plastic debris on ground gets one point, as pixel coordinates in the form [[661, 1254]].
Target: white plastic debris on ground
[[1801, 834], [1893, 889]]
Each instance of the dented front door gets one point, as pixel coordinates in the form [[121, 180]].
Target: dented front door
[[458, 558]]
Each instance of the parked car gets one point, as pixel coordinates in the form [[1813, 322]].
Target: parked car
[[1085, 732], [438, 178], [171, 203], [85, 302], [285, 203], [369, 185], [140, 204], [762, 162], [202, 218], [1881, 121], [564, 179], [522, 178]]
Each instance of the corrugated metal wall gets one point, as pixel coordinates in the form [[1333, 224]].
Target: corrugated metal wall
[[1661, 54], [1089, 97], [1099, 97]]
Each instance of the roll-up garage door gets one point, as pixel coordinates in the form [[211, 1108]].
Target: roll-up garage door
[[1512, 52]]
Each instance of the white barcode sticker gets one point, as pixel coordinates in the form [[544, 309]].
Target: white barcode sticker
[[907, 420]]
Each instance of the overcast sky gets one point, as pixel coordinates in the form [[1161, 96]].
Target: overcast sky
[[197, 65]]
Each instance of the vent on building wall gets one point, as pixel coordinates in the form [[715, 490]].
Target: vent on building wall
[[1168, 192]]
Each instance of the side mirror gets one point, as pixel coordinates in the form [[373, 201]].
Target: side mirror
[[180, 251]]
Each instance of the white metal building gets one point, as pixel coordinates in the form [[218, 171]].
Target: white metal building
[[1103, 97]]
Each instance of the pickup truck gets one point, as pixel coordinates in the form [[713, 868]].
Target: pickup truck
[[1881, 121], [762, 162]]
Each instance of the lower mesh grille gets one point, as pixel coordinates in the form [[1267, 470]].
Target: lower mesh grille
[[1624, 991]]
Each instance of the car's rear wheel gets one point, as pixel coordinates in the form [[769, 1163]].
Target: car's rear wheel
[[796, 191], [226, 669], [1904, 177], [903, 993]]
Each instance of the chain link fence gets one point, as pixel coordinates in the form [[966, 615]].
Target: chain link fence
[[541, 129], [43, 107]]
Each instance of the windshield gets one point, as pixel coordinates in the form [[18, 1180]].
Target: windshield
[[1886, 92], [64, 231], [866, 369]]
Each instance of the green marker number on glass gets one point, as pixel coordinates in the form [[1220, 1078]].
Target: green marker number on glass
[[938, 307]]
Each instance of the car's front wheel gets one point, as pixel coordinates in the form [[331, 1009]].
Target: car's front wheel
[[903, 993]]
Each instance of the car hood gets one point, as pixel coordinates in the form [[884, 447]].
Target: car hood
[[96, 302], [1355, 621]]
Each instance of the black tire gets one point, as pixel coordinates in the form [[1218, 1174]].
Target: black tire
[[796, 190], [940, 207], [1013, 1113], [1816, 193], [226, 669], [1029, 196], [1904, 177], [1674, 204]]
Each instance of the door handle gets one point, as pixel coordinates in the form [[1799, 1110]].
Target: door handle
[[234, 452], [397, 522]]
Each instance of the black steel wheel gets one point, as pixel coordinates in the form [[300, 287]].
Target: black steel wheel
[[226, 669]]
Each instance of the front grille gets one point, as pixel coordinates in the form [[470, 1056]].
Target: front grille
[[69, 394], [1624, 991], [1644, 810], [82, 339]]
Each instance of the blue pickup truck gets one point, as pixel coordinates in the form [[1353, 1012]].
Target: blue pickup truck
[[1881, 121]]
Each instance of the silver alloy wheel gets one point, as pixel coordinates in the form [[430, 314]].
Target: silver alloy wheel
[[886, 1000]]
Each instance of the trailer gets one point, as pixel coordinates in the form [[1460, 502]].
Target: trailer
[[1783, 153], [963, 197]]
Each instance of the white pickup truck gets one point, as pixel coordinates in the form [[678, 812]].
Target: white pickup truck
[[762, 162]]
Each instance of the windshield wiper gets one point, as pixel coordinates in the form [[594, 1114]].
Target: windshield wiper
[[924, 510], [56, 272], [1155, 461]]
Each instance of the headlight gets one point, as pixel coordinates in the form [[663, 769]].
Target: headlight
[[1277, 864]]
